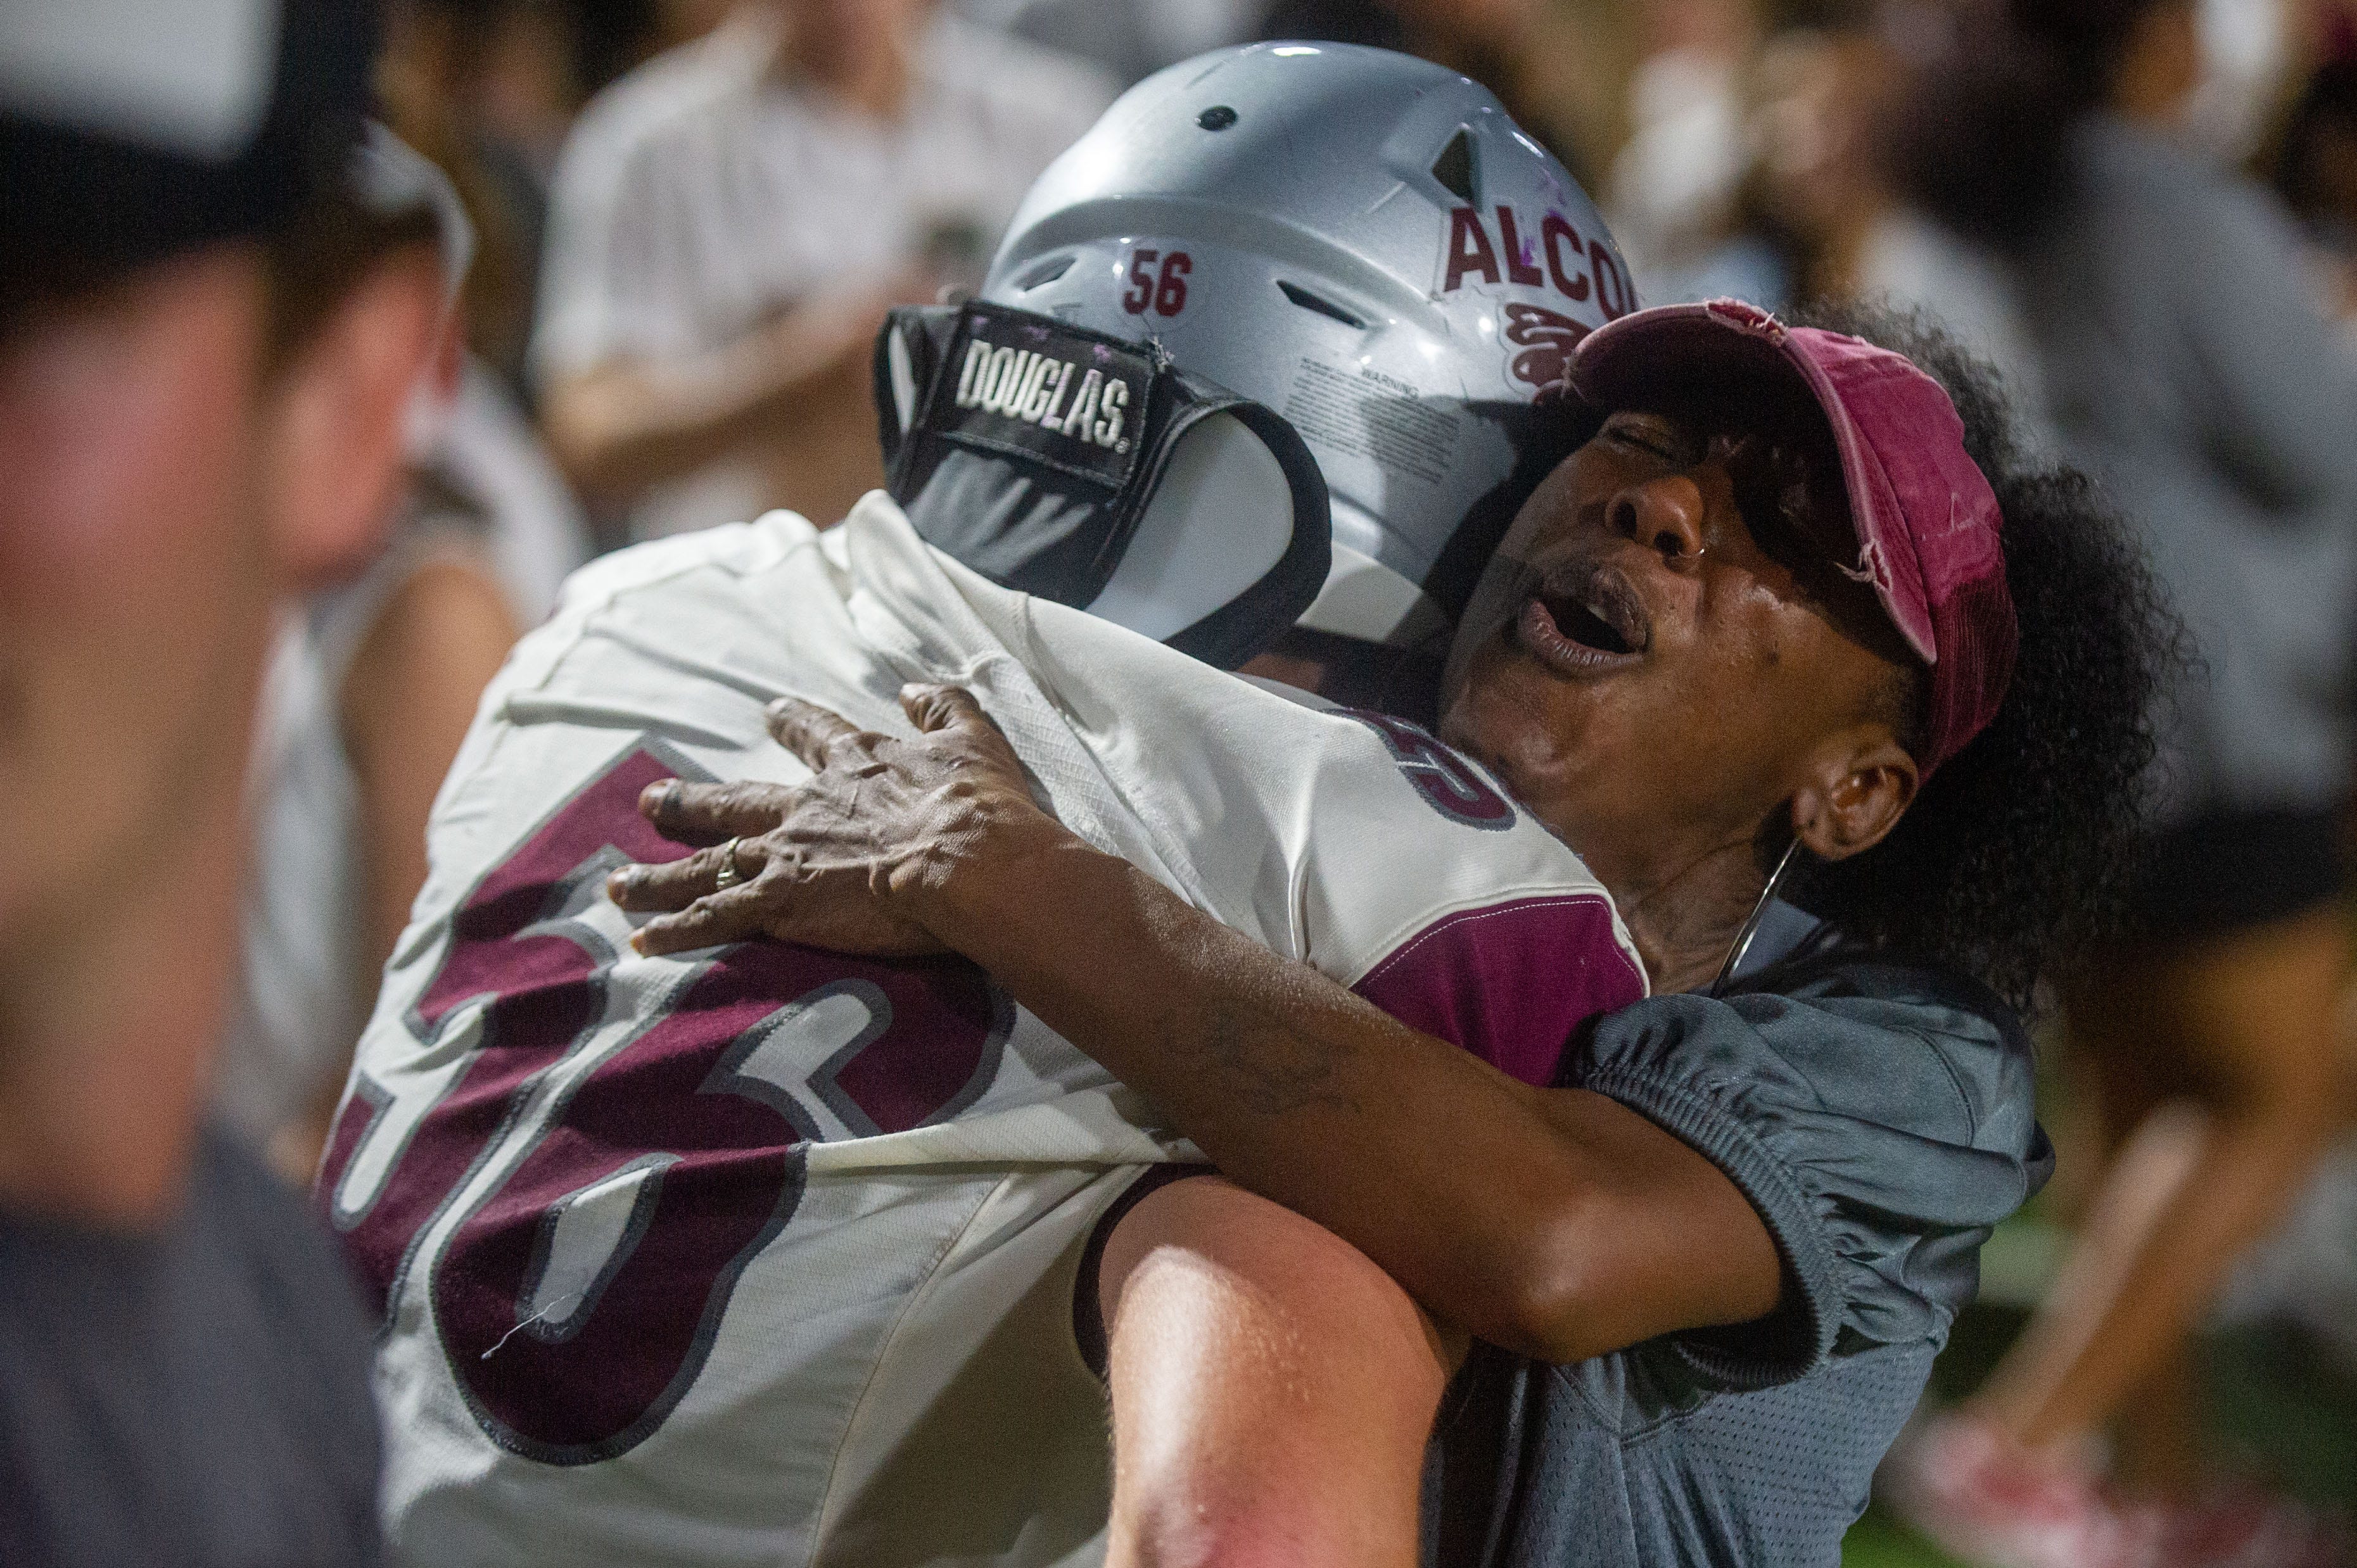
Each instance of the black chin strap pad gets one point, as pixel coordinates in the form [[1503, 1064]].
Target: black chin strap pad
[[1029, 450]]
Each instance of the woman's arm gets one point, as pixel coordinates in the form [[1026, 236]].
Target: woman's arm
[[1557, 1223]]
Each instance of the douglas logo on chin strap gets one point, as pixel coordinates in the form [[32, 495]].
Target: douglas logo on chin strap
[[1034, 388], [1029, 386]]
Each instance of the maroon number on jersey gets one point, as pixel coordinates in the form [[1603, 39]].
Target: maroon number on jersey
[[1455, 789], [715, 1151]]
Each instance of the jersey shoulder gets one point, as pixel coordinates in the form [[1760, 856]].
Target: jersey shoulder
[[737, 547], [1335, 836], [1403, 833], [676, 620], [1453, 909]]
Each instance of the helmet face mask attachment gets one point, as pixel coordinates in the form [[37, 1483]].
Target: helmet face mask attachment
[[1362, 242], [1091, 470]]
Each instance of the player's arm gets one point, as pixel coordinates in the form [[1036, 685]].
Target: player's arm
[[1271, 1389], [1557, 1223], [632, 421]]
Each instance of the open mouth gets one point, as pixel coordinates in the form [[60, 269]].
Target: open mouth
[[1584, 627], [1585, 618]]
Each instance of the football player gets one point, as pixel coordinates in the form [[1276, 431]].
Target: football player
[[760, 1253]]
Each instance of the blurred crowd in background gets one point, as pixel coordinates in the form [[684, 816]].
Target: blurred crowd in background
[[684, 222]]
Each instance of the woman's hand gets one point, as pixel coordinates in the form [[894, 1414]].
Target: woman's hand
[[857, 858]]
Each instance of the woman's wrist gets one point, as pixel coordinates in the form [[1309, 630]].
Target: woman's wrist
[[978, 880]]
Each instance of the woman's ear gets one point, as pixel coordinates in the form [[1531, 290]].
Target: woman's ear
[[1862, 784], [335, 450]]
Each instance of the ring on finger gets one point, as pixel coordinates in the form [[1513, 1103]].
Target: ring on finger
[[727, 877]]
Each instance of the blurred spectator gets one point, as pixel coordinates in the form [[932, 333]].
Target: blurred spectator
[[2316, 171], [2248, 66], [1131, 39], [2187, 365], [1800, 225], [204, 363], [484, 89], [1810, 214], [1816, 217], [1674, 187], [1819, 95], [1502, 44], [732, 220], [372, 685], [488, 90], [1827, 94]]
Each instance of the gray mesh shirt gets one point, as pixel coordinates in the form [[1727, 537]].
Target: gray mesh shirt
[[1880, 1117]]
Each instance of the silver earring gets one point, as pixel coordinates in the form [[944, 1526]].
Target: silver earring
[[1742, 943]]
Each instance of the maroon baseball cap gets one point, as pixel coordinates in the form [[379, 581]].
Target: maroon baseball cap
[[1928, 524]]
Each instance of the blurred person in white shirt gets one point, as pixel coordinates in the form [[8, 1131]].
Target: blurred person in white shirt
[[1674, 186], [729, 223], [373, 680], [1131, 38]]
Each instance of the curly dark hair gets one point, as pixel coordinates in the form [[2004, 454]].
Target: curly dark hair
[[2015, 855]]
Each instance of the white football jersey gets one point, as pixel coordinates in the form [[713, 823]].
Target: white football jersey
[[767, 1255]]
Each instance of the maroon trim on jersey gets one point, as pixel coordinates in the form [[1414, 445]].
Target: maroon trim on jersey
[[1509, 981]]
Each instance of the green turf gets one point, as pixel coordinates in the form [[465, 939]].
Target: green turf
[[2283, 1408], [1878, 1540], [2279, 1408]]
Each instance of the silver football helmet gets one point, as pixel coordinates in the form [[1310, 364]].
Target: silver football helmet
[[1364, 243]]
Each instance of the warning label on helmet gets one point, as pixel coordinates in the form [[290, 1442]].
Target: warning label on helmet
[[1369, 414]]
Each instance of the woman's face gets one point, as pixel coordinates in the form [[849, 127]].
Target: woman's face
[[1662, 652]]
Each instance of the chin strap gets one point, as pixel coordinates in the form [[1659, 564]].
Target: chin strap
[[1742, 943], [1033, 451]]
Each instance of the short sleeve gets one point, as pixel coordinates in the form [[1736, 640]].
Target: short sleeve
[[1879, 1138], [1510, 982]]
